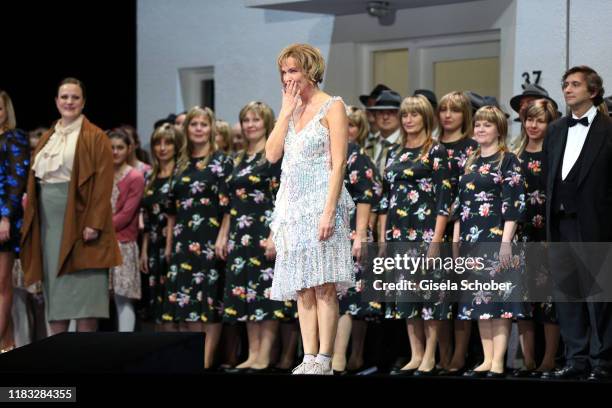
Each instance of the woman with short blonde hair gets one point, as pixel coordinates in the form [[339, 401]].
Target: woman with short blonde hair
[[358, 125]]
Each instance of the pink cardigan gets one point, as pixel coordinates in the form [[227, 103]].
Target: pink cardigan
[[125, 219]]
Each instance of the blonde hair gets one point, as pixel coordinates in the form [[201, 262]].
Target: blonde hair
[[223, 129], [533, 110], [11, 121], [166, 132], [460, 102], [185, 154], [421, 105], [307, 57], [493, 115], [358, 118], [263, 111]]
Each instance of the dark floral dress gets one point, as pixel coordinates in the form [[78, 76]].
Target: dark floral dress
[[416, 189], [14, 165], [194, 284], [155, 203], [364, 184], [534, 230], [248, 275], [490, 193]]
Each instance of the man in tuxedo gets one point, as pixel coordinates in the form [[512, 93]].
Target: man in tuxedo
[[578, 155]]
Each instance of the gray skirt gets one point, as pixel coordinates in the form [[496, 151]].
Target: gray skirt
[[78, 295]]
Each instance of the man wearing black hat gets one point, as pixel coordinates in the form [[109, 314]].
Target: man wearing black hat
[[386, 115], [531, 92], [430, 95], [578, 158], [367, 101]]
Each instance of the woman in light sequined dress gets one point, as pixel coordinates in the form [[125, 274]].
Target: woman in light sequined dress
[[310, 223]]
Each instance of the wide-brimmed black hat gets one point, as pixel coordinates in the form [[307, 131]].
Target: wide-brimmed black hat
[[168, 119], [530, 90], [431, 97], [478, 102], [374, 94], [387, 99]]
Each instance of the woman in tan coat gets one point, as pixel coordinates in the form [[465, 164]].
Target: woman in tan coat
[[68, 238]]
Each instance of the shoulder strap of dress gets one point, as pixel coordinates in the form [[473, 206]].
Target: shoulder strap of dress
[[328, 103]]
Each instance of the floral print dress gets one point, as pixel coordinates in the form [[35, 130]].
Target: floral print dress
[[154, 205], [364, 184], [490, 193], [14, 165], [416, 189], [194, 284], [248, 276], [534, 230]]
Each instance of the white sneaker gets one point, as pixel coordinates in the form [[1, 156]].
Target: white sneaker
[[303, 368], [320, 369]]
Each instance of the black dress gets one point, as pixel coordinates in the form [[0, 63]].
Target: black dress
[[14, 165], [364, 184], [155, 203], [416, 189], [248, 275], [490, 193], [194, 284], [534, 231]]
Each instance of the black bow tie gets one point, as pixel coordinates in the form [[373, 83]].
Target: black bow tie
[[583, 121]]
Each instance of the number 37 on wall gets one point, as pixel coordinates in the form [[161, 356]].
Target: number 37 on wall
[[536, 75]]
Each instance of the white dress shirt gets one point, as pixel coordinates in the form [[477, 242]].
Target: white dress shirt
[[378, 147], [576, 136]]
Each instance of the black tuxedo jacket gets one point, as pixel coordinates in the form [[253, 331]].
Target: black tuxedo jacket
[[594, 180]]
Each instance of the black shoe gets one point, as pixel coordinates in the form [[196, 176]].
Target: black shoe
[[343, 372], [565, 373], [600, 374], [431, 373], [235, 370], [493, 374], [475, 374], [451, 373], [523, 373], [259, 370], [399, 371]]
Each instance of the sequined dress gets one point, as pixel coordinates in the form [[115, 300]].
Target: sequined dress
[[302, 260]]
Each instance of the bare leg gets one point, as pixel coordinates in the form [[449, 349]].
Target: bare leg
[[58, 326], [342, 340], [486, 337], [463, 329], [444, 343], [358, 335], [551, 336], [327, 316], [416, 335], [501, 332], [431, 341], [307, 313], [213, 334], [87, 325], [253, 334], [289, 337], [231, 338], [267, 336], [6, 300], [527, 339], [167, 327]]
